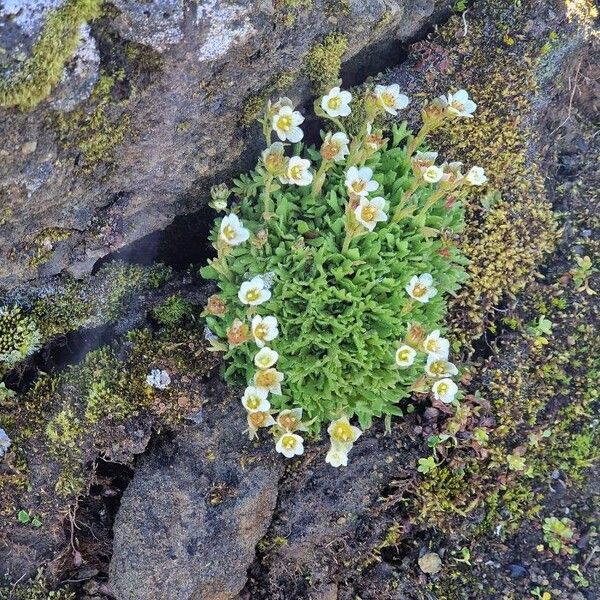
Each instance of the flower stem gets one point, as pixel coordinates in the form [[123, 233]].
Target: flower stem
[[319, 179], [405, 198], [267, 204]]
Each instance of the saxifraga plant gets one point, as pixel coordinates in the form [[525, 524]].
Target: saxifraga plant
[[334, 264]]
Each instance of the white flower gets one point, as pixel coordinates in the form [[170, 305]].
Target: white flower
[[265, 358], [342, 432], [460, 104], [264, 329], [337, 456], [390, 98], [254, 292], [359, 182], [298, 171], [158, 379], [452, 172], [336, 103], [255, 399], [444, 390], [421, 288], [405, 356], [5, 442], [370, 212], [421, 161], [476, 176], [439, 367], [269, 380], [432, 174], [291, 420], [335, 146], [232, 231], [285, 124], [274, 158], [290, 445], [436, 345], [258, 419]]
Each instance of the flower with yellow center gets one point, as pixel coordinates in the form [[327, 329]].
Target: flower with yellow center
[[444, 390], [405, 356], [258, 419], [460, 105], [265, 358], [291, 420], [254, 292], [421, 288], [370, 212], [342, 432], [432, 174], [421, 161], [337, 456], [335, 146], [286, 124], [255, 400], [439, 367], [290, 445], [274, 158], [269, 380], [476, 176], [298, 172], [232, 231], [264, 329], [336, 103], [436, 345], [359, 182], [390, 99]]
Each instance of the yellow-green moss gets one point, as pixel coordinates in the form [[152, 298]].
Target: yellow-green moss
[[32, 83], [322, 64], [37, 588], [97, 133], [42, 245], [19, 336]]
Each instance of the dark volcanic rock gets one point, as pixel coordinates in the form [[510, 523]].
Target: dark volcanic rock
[[190, 69], [190, 520]]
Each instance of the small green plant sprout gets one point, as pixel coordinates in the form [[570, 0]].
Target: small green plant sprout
[[426, 465], [540, 330], [559, 534], [516, 462], [537, 592], [24, 517], [334, 264], [581, 274]]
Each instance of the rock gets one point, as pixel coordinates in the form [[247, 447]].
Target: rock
[[430, 563], [174, 124], [194, 512]]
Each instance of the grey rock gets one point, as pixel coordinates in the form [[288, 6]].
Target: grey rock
[[182, 108], [194, 512]]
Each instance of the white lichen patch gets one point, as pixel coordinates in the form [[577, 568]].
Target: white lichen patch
[[226, 25]]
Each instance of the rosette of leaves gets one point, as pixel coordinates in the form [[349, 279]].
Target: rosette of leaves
[[341, 315], [19, 336]]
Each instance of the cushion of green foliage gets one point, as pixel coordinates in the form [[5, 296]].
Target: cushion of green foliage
[[342, 313]]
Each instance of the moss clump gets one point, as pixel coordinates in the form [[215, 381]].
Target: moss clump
[[322, 64], [19, 336], [173, 311], [43, 243], [254, 104], [288, 10], [92, 302], [97, 133], [32, 83]]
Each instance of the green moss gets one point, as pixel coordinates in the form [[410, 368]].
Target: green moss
[[173, 311], [322, 64], [43, 244], [97, 133], [19, 336], [32, 83], [288, 10]]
